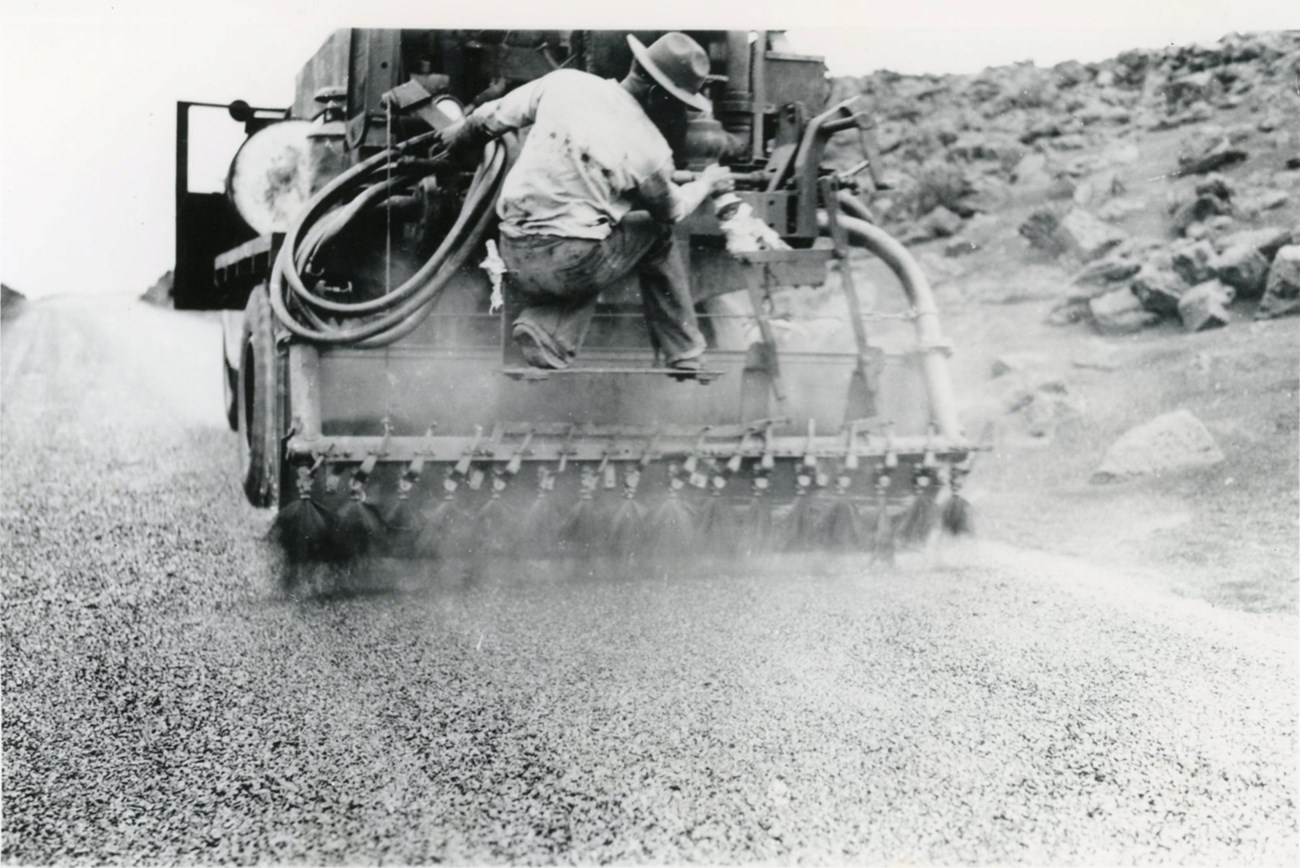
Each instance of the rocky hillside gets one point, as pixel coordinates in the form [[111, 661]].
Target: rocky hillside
[[1162, 183], [1111, 245]]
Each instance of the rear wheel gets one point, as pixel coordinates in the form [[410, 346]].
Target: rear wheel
[[258, 400]]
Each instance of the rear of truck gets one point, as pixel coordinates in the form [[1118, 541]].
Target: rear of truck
[[382, 408]]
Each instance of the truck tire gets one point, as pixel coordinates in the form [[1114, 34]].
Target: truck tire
[[258, 397]]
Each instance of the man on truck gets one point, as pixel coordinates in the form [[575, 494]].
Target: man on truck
[[591, 198]]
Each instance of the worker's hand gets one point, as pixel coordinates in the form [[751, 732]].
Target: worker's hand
[[455, 138], [717, 179]]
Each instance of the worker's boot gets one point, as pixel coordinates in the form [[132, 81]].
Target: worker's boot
[[535, 350]]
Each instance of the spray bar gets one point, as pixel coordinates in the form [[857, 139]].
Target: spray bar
[[461, 449]]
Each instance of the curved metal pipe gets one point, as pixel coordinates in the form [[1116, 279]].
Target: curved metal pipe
[[855, 206], [934, 348]]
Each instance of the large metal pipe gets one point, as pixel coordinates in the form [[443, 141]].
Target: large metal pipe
[[854, 206], [758, 84], [934, 348], [737, 109]]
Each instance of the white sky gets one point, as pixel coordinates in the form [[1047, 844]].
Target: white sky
[[88, 89]]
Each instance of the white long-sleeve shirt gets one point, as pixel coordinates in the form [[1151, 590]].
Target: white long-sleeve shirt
[[591, 156]]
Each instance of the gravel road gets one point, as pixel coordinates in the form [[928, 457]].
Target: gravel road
[[164, 702]]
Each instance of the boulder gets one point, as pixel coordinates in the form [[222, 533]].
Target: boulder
[[1212, 197], [1097, 111], [1215, 185], [1198, 113], [1267, 240], [1212, 229], [1201, 56], [1044, 128], [1088, 237], [1269, 122], [977, 146], [1061, 187], [1078, 233], [1204, 306], [1191, 260], [1267, 200], [1157, 287], [1183, 90], [1070, 73], [1130, 67], [1120, 313], [940, 222], [1242, 267], [989, 194], [1282, 295], [1039, 229], [1217, 157], [1118, 265], [1171, 442]]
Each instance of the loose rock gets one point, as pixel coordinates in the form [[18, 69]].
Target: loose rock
[[1282, 296], [1120, 313], [1242, 267], [1212, 197], [1191, 260], [1078, 233], [1158, 287], [1171, 442], [1267, 240], [1208, 153], [940, 223], [1089, 237], [1204, 306]]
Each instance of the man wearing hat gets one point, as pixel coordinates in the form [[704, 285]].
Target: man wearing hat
[[590, 198]]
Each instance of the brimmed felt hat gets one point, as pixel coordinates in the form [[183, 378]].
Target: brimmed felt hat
[[678, 64]]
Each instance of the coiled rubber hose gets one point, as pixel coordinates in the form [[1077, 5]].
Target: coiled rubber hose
[[380, 321]]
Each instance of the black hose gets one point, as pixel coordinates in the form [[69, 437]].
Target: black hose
[[391, 299], [395, 314]]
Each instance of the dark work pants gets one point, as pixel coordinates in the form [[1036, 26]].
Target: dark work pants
[[559, 279]]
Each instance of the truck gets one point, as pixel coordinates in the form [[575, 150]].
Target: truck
[[381, 407]]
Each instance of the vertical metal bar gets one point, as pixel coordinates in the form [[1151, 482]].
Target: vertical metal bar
[[861, 397], [831, 203], [758, 85], [757, 297]]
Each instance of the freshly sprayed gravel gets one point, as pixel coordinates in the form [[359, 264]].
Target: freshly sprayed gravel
[[163, 702]]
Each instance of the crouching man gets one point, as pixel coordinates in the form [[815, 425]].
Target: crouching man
[[590, 198]]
